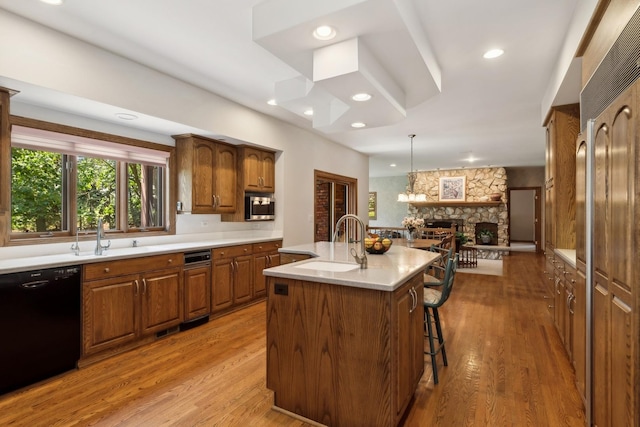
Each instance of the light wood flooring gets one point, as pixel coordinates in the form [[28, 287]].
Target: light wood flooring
[[507, 367]]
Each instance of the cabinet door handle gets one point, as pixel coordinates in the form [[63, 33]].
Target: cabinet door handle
[[570, 301], [144, 286], [213, 202], [217, 201], [137, 287], [268, 260], [413, 300]]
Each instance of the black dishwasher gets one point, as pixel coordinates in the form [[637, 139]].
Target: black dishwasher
[[40, 325]]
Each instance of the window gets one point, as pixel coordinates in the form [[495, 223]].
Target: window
[[63, 184]]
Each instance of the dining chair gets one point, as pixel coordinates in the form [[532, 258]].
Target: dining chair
[[434, 275], [435, 297]]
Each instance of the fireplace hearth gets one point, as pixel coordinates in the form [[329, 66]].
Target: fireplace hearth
[[489, 226]]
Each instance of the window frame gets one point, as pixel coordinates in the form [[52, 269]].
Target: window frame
[[8, 238]]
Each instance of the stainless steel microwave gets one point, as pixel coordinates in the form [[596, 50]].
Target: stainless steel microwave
[[259, 207]]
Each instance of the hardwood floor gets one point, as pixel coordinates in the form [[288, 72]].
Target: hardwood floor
[[507, 367]]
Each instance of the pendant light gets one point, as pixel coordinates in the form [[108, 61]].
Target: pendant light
[[411, 196]]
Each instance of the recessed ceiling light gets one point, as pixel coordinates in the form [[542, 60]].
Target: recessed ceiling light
[[272, 102], [53, 2], [126, 116], [324, 32], [308, 112], [493, 53], [358, 125], [393, 165], [361, 97]]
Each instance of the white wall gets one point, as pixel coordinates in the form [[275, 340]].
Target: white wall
[[390, 211], [36, 55]]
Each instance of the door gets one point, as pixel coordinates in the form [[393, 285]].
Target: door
[[524, 216], [334, 197]]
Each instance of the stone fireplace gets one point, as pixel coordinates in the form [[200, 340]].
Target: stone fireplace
[[477, 208]]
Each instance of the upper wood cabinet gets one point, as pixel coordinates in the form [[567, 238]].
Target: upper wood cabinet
[[258, 170], [207, 177], [562, 130], [256, 173]]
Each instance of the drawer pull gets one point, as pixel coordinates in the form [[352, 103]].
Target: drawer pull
[[106, 269], [170, 260]]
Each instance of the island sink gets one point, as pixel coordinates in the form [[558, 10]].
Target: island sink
[[337, 267]]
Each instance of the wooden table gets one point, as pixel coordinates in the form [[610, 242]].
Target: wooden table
[[417, 243]]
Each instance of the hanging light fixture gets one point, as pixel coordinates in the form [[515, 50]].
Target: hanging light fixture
[[411, 196]]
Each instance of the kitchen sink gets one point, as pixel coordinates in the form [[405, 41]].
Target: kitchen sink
[[337, 267]]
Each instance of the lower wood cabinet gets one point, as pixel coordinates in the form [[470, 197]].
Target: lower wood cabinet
[[125, 300], [408, 341], [232, 277], [197, 292], [352, 356], [265, 255]]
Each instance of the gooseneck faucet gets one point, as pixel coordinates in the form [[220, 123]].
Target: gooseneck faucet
[[99, 246], [360, 258]]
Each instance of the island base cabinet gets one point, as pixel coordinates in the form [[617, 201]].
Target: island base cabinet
[[338, 354]]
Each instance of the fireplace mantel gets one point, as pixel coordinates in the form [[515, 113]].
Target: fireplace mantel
[[454, 203]]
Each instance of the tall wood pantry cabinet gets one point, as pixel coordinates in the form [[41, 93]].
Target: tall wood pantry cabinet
[[616, 278]]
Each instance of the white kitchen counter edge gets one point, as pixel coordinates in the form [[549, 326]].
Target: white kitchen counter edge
[[15, 265], [567, 255], [385, 272]]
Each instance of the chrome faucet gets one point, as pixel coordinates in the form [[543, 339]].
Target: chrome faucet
[[362, 257], [99, 236]]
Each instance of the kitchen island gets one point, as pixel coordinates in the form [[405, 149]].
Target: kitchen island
[[344, 344]]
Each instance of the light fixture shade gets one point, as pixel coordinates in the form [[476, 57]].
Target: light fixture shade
[[411, 196]]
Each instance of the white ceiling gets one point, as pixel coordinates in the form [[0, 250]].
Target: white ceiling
[[422, 59]]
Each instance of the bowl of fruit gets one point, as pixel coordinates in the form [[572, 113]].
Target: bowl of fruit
[[375, 244]]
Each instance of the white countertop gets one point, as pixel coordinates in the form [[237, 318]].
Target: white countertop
[[13, 265], [385, 272], [567, 255]]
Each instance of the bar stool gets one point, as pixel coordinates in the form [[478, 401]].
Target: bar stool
[[434, 297], [434, 275]]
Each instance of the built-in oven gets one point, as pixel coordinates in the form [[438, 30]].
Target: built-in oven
[[259, 207]]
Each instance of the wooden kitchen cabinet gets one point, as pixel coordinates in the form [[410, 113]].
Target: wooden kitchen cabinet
[[232, 277], [265, 255], [409, 341], [125, 300], [197, 292], [616, 278], [363, 375], [258, 170], [256, 174], [207, 179], [562, 129]]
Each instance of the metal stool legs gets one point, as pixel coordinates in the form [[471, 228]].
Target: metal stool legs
[[433, 350]]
